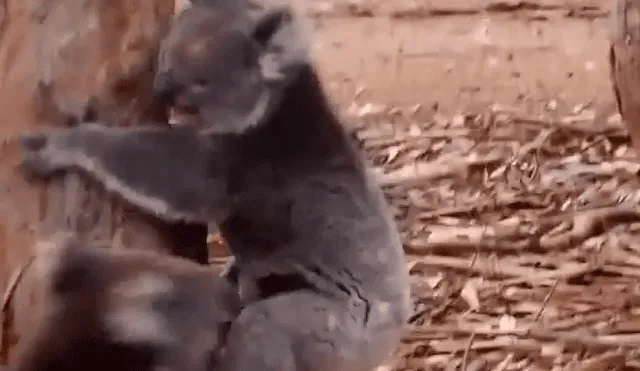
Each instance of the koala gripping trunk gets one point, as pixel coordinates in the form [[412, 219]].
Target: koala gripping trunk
[[62, 61]]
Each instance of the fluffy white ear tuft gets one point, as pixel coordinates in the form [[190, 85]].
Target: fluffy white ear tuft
[[284, 44]]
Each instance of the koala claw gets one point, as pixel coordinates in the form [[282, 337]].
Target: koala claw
[[34, 142], [35, 165], [39, 160]]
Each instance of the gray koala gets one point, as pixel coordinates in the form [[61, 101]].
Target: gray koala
[[108, 309], [259, 152]]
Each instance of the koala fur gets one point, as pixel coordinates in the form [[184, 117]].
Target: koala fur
[[108, 309], [260, 153]]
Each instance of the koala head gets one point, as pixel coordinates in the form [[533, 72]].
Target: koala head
[[225, 72]]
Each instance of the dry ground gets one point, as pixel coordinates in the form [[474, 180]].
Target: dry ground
[[512, 177], [464, 54]]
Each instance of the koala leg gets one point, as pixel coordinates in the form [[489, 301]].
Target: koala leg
[[305, 331]]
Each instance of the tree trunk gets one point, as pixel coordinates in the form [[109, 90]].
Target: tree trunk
[[624, 59], [58, 57]]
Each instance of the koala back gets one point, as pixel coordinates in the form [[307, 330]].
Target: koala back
[[307, 214]]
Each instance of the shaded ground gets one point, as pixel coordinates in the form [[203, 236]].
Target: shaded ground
[[520, 217]]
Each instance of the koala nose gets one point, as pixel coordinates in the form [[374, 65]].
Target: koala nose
[[165, 87]]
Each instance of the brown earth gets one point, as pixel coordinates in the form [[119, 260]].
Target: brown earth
[[461, 54]]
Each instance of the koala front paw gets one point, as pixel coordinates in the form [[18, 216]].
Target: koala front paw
[[34, 142], [42, 158]]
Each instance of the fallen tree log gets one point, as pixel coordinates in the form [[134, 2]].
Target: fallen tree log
[[58, 57]]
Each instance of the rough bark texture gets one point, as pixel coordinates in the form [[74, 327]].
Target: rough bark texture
[[624, 58], [54, 56]]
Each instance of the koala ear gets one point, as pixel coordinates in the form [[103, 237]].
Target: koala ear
[[270, 23], [282, 47]]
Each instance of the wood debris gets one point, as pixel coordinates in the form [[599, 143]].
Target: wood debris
[[522, 236]]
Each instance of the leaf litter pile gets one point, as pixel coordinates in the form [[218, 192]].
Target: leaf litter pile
[[522, 236]]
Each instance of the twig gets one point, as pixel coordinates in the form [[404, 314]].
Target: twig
[[586, 224], [487, 269], [418, 173], [14, 280], [546, 301], [465, 357], [7, 310]]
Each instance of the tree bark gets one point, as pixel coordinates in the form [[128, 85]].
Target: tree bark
[[58, 57], [624, 59]]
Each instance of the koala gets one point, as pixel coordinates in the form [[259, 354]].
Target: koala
[[259, 152], [108, 309]]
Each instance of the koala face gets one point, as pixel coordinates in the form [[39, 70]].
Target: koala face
[[221, 73]]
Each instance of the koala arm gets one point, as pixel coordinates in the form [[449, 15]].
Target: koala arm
[[173, 174]]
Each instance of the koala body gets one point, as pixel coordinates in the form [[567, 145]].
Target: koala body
[[259, 151], [108, 309]]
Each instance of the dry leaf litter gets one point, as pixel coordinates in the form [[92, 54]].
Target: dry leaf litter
[[521, 235]]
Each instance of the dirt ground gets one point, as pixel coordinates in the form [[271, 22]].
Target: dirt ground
[[454, 55], [492, 126]]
